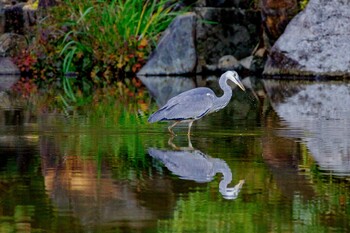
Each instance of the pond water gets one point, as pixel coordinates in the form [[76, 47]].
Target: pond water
[[277, 159]]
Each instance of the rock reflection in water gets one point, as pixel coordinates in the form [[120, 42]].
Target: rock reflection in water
[[78, 187], [197, 166], [74, 188], [163, 88], [7, 81], [319, 114]]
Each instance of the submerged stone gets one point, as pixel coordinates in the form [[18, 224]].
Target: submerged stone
[[228, 62], [316, 42]]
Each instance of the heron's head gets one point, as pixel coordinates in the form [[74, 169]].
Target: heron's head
[[233, 76]]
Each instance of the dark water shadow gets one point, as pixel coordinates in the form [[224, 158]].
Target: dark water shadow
[[318, 113]]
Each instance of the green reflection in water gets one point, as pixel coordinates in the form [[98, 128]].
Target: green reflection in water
[[99, 163], [24, 204]]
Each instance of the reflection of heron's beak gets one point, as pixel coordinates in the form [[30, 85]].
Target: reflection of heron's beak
[[231, 193], [240, 184]]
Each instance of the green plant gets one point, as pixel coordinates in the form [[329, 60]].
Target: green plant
[[116, 34], [303, 4], [97, 42]]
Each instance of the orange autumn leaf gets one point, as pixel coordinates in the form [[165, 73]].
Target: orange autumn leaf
[[143, 43]]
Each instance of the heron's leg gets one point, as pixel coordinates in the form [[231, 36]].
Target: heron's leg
[[189, 128], [170, 128], [170, 142], [189, 142]]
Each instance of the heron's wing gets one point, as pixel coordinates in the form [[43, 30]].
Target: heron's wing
[[192, 104]]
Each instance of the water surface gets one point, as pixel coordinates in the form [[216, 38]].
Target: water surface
[[111, 171]]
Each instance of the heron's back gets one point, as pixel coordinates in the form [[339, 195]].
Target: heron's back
[[192, 104]]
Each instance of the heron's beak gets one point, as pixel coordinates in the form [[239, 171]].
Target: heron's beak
[[238, 83]]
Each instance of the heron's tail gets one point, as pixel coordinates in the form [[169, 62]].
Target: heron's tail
[[160, 115], [155, 117]]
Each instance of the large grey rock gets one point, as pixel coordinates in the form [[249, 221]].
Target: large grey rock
[[228, 62], [175, 52], [316, 42]]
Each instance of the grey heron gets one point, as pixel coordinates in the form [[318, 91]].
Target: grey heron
[[194, 104], [197, 166]]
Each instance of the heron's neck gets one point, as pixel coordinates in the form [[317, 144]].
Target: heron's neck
[[221, 166], [232, 192], [225, 98], [227, 192], [226, 180]]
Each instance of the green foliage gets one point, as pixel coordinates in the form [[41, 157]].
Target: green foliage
[[303, 4], [98, 42]]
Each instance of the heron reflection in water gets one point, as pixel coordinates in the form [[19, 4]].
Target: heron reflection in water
[[197, 166], [194, 104]]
